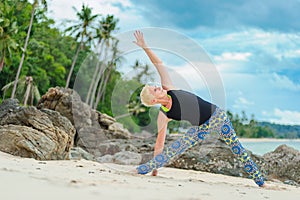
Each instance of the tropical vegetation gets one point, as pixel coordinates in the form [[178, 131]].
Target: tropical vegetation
[[36, 54]]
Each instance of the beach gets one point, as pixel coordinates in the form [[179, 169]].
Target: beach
[[24, 178]]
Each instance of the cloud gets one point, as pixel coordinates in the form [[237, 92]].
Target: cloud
[[269, 15], [285, 117], [254, 51], [242, 103], [233, 56], [283, 82], [254, 45], [124, 10]]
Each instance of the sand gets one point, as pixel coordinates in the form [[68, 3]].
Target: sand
[[24, 178]]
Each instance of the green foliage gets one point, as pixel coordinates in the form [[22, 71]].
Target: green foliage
[[282, 131], [106, 105], [249, 128], [8, 28], [24, 83], [49, 53]]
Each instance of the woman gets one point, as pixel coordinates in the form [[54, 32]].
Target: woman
[[182, 105]]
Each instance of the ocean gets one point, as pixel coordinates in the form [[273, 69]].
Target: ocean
[[262, 146]]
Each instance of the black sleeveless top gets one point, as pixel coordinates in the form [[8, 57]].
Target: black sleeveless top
[[188, 106]]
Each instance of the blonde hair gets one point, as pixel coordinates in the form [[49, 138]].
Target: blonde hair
[[146, 96]]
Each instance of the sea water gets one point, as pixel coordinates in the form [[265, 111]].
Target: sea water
[[262, 147]]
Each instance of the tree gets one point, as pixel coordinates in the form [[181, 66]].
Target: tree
[[144, 72], [103, 69], [26, 90], [8, 27], [107, 74], [34, 6], [82, 32]]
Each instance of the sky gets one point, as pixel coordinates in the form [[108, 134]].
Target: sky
[[252, 47]]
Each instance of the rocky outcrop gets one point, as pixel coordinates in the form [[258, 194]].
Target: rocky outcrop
[[29, 132], [284, 164], [213, 155], [48, 133], [68, 103]]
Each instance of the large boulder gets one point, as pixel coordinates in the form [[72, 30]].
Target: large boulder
[[68, 103], [284, 163], [29, 132], [92, 127], [213, 155]]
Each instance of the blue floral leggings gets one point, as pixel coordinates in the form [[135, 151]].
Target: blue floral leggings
[[218, 122]]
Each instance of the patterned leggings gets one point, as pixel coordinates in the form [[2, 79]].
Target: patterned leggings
[[218, 122]]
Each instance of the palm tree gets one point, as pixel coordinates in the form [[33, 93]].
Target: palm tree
[[106, 76], [34, 6], [106, 26], [82, 32], [144, 72], [134, 108], [8, 27], [26, 90]]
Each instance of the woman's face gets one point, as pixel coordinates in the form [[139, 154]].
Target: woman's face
[[157, 91]]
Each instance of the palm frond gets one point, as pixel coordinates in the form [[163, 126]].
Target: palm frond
[[7, 86]]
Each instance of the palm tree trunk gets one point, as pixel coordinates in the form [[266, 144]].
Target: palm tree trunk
[[99, 75], [101, 72], [31, 99], [2, 62], [102, 87], [103, 84], [98, 93], [94, 76], [24, 50], [73, 64], [26, 95]]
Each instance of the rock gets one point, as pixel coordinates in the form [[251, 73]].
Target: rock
[[130, 147], [127, 158], [89, 138], [8, 105], [109, 148], [213, 155], [46, 134], [78, 153], [105, 159], [146, 157], [122, 158], [27, 142], [68, 103], [105, 120], [291, 182], [283, 163], [118, 131], [29, 132]]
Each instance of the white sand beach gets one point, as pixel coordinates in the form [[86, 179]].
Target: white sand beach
[[23, 178]]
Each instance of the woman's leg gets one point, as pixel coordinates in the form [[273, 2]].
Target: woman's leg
[[220, 122], [188, 140]]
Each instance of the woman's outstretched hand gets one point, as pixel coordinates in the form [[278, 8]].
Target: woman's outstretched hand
[[139, 39]]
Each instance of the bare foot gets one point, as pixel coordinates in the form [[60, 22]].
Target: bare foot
[[154, 172]]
